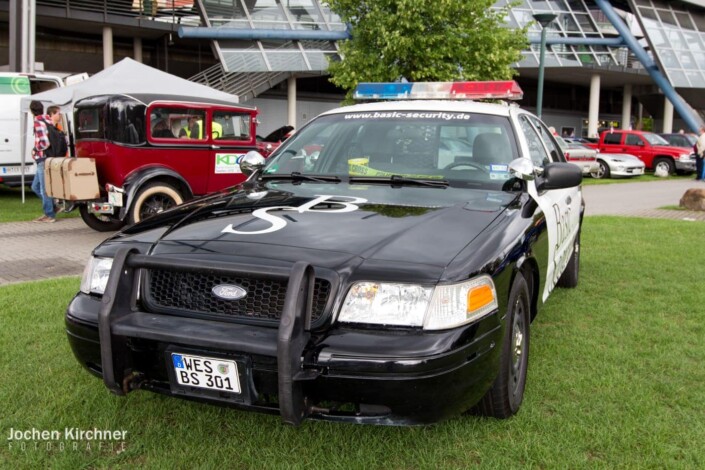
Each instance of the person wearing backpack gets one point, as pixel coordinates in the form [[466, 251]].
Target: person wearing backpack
[[42, 143]]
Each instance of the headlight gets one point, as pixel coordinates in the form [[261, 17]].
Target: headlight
[[95, 276], [442, 307], [386, 304]]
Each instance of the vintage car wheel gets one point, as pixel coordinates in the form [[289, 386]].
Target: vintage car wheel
[[570, 276], [504, 398], [664, 164], [100, 222], [603, 170], [152, 199]]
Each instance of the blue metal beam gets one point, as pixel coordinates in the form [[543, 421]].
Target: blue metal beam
[[661, 81], [262, 34]]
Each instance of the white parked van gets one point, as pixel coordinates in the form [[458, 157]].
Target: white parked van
[[14, 87]]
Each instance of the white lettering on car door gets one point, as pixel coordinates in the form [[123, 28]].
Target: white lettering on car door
[[346, 203]]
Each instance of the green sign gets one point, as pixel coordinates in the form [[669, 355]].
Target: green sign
[[14, 86]]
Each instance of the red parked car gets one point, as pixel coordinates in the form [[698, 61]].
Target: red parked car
[[155, 152]]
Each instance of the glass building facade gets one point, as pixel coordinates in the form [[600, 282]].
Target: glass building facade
[[273, 55]]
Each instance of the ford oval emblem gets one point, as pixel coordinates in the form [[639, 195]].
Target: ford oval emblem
[[229, 292]]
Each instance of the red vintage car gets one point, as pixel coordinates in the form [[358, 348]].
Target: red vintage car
[[155, 152]]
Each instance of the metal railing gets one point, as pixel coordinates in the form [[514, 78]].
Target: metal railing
[[246, 85], [182, 12]]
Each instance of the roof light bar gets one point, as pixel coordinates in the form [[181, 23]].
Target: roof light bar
[[504, 90]]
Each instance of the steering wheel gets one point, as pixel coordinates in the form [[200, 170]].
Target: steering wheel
[[469, 164]]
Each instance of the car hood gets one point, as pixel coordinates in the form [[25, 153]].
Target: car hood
[[620, 156], [326, 223]]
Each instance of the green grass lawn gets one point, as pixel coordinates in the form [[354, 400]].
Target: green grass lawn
[[12, 209], [616, 379]]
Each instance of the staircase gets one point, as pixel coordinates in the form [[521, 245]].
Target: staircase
[[245, 85]]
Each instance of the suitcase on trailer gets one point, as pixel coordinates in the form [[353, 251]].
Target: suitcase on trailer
[[53, 180], [80, 179]]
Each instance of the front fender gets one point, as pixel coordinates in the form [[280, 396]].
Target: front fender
[[138, 178]]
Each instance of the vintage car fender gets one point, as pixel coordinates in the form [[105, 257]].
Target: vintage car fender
[[135, 180]]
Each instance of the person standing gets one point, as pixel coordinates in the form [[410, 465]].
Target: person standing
[[41, 144], [700, 155]]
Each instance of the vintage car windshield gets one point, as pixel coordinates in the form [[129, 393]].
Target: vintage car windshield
[[464, 149]]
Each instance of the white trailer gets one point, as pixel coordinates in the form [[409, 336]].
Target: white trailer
[[14, 87]]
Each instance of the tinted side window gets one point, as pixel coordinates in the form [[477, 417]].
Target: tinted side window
[[613, 138], [90, 123], [537, 152], [633, 140], [555, 153], [127, 123]]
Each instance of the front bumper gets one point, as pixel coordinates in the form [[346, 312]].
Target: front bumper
[[685, 164], [623, 170], [337, 373]]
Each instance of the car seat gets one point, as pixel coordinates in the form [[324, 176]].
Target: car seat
[[491, 148]]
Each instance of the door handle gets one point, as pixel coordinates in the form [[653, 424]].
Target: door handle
[[568, 200], [215, 147]]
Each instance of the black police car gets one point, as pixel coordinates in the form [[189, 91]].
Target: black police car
[[382, 267]]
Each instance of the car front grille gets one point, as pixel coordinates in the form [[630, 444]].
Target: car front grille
[[169, 290]]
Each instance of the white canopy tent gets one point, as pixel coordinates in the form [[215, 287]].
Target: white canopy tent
[[126, 77]]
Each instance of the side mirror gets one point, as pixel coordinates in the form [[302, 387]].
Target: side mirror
[[524, 169], [560, 176], [252, 161]]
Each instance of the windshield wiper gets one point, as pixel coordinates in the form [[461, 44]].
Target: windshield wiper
[[400, 180], [296, 176]]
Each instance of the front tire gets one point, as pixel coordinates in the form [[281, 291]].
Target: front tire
[[504, 398], [152, 199], [665, 164], [603, 170], [100, 222]]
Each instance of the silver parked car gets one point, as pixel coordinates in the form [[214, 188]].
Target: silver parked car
[[615, 165], [580, 155]]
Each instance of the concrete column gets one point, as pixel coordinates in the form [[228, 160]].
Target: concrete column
[[627, 107], [291, 102], [667, 116], [594, 109], [137, 49], [32, 35], [107, 46]]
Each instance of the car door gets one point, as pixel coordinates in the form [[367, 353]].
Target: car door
[[560, 207]]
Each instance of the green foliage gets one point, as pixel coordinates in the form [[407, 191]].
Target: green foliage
[[424, 40]]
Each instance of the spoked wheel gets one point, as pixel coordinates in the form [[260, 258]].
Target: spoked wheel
[[153, 199], [504, 398]]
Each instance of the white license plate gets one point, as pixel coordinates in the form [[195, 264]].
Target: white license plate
[[17, 170], [206, 372], [115, 198]]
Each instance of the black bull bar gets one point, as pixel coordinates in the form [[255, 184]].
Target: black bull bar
[[120, 319]]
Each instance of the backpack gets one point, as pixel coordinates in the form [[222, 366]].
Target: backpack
[[57, 139]]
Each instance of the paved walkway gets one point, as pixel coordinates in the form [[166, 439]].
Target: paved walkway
[[31, 251]]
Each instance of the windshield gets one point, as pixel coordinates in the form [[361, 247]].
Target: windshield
[[463, 149], [655, 139]]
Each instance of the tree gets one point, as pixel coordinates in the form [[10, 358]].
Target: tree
[[424, 40]]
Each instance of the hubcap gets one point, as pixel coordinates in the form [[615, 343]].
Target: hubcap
[[517, 345]]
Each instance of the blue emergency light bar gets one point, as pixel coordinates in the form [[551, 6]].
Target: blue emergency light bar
[[501, 90]]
